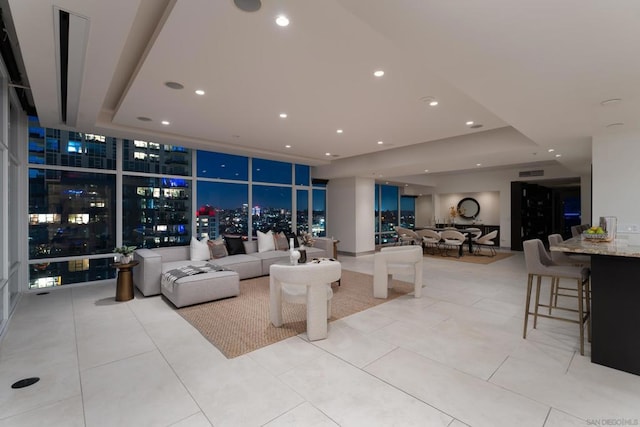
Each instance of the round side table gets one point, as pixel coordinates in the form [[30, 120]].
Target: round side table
[[124, 289]]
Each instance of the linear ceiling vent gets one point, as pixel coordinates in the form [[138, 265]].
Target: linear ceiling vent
[[524, 174], [71, 33]]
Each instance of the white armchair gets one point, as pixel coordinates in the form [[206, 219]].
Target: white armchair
[[304, 283], [397, 260]]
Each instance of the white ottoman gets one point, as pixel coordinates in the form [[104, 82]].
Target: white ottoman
[[201, 288]]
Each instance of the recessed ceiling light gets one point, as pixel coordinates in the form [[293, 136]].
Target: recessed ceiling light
[[386, 182], [282, 21], [610, 101], [327, 154], [551, 150], [339, 131], [166, 122], [558, 155], [469, 123], [174, 85], [430, 100], [378, 73], [612, 125], [200, 92], [406, 185], [426, 170], [478, 164], [380, 142], [287, 146], [283, 115]]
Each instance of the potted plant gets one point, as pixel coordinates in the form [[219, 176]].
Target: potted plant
[[126, 253]]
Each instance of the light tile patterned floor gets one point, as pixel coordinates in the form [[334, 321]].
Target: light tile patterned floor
[[453, 358]]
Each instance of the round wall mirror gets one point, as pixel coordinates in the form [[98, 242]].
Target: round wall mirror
[[468, 208]]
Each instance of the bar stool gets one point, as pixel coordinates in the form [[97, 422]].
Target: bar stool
[[561, 258], [540, 265]]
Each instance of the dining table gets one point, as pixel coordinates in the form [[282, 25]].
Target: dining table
[[615, 295]]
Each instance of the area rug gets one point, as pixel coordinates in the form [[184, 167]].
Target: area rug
[[473, 259], [239, 325]]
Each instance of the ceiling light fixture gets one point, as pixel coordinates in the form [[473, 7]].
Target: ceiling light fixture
[[433, 103], [558, 155], [174, 85], [339, 131], [478, 164], [283, 115], [551, 150], [426, 170], [200, 92], [469, 123], [378, 73], [282, 21], [166, 122], [380, 142], [327, 154], [248, 5], [287, 146]]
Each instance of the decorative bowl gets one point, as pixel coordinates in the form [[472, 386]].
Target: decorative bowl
[[604, 237]]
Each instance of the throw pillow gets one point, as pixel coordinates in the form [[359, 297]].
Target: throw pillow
[[282, 244], [234, 245], [266, 242], [290, 235], [199, 250], [217, 248]]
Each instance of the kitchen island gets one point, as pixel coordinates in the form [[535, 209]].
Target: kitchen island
[[615, 300]]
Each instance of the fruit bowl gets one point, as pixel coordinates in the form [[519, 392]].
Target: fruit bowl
[[599, 237]]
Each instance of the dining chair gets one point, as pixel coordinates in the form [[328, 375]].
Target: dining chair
[[406, 236], [540, 265], [452, 239], [486, 241], [430, 240]]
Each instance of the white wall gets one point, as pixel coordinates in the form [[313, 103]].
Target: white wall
[[424, 210], [489, 202], [350, 214], [615, 179]]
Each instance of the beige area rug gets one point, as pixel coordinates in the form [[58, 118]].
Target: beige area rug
[[239, 325], [473, 259]]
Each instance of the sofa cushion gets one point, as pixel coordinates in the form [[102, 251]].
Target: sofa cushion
[[199, 250], [265, 241], [247, 266], [282, 244], [234, 245], [217, 248]]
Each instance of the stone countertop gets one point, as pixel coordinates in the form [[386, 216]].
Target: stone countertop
[[619, 247]]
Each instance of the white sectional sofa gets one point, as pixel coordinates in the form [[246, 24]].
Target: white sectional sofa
[[153, 263]]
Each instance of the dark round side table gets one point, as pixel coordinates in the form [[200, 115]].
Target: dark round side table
[[124, 289]]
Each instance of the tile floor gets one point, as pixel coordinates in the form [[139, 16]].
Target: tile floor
[[453, 358]]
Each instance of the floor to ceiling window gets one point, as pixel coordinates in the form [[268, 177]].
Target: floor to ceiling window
[[408, 211], [75, 206], [387, 204], [71, 206]]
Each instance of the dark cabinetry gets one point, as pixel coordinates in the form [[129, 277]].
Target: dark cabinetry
[[531, 213]]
